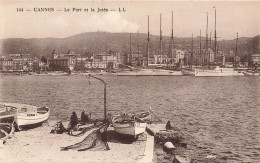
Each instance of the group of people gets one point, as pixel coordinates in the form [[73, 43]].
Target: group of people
[[74, 121]]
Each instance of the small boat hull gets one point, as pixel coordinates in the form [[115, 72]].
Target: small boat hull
[[218, 72], [131, 129], [23, 114], [150, 72], [251, 73], [31, 118], [188, 72]]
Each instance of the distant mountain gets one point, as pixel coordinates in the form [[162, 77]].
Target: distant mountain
[[103, 41]]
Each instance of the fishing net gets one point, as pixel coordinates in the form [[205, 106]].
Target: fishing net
[[95, 141], [84, 130]]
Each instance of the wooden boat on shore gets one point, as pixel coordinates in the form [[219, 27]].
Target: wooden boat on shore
[[26, 115], [131, 124]]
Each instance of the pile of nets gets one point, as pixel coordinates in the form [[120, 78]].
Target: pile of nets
[[84, 130], [95, 141]]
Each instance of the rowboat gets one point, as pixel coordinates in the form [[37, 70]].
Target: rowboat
[[144, 116], [36, 115], [132, 126], [27, 114], [6, 131]]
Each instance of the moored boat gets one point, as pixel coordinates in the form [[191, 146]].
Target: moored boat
[[217, 71], [26, 115], [150, 72], [188, 72], [144, 116], [130, 126], [251, 73], [32, 116]]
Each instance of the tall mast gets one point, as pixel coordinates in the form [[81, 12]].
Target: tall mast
[[172, 41], [210, 39], [253, 46], [106, 56], [215, 47], [148, 44], [130, 55], [191, 51], [207, 40], [200, 48], [130, 43], [138, 46], [236, 50], [160, 33]]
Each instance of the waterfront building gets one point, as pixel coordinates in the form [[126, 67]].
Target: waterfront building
[[135, 58], [110, 60], [62, 62], [255, 59], [16, 62], [38, 65]]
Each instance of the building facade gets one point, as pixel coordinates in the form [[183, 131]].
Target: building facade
[[16, 62], [62, 62]]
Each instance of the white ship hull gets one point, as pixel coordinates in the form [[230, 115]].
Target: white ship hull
[[30, 118], [130, 129], [251, 73], [188, 72], [28, 114], [218, 72], [150, 72]]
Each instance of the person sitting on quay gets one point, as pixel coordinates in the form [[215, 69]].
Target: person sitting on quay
[[168, 125], [84, 117], [73, 122]]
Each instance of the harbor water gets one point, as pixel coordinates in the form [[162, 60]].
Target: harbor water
[[219, 116]]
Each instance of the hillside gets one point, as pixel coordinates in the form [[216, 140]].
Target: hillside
[[101, 41]]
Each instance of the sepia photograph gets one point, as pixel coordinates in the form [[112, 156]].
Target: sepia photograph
[[129, 81]]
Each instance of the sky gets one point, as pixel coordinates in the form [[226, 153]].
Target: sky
[[189, 17]]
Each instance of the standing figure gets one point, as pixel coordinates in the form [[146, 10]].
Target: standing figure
[[84, 117], [73, 122]]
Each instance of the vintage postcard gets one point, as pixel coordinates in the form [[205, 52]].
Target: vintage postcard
[[129, 81]]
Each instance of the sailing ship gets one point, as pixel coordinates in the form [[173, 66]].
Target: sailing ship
[[151, 71], [217, 71]]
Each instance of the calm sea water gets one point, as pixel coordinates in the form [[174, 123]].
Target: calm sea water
[[219, 116]]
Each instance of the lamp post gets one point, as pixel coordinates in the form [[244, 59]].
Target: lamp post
[[105, 100]]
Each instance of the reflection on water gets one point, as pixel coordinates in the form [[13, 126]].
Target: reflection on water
[[219, 115]]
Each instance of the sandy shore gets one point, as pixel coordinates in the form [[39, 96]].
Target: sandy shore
[[39, 145]]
